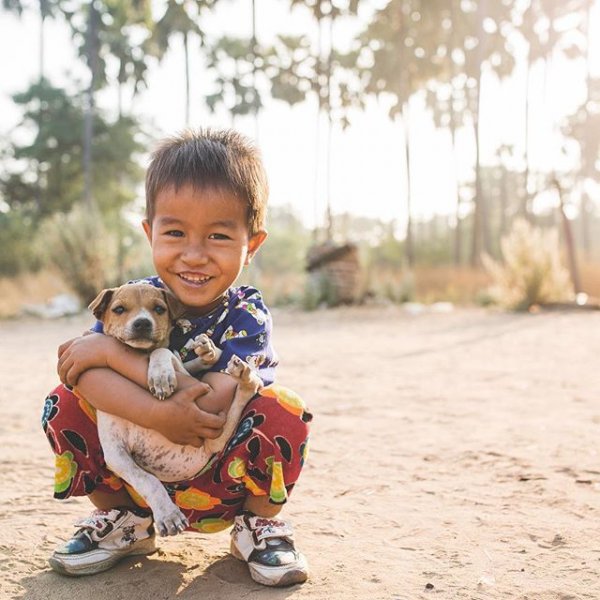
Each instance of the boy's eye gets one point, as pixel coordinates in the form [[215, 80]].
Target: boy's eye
[[118, 310], [219, 236], [174, 233], [160, 310]]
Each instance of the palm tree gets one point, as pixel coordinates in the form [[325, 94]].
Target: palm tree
[[180, 18], [125, 18], [47, 9], [543, 40], [403, 41], [297, 71], [235, 87]]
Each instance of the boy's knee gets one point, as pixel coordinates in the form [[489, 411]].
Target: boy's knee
[[279, 399], [64, 406]]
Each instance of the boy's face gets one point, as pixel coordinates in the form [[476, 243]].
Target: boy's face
[[200, 243]]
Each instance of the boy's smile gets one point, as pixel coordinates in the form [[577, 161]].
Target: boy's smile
[[200, 243]]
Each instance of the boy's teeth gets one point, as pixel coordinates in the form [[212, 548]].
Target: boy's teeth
[[195, 279]]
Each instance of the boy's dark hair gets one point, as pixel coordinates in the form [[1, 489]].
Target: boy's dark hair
[[206, 158]]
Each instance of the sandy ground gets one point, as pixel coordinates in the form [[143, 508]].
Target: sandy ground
[[453, 456]]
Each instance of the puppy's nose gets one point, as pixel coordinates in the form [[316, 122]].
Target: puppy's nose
[[142, 324]]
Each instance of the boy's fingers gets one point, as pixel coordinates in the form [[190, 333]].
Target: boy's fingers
[[211, 421], [195, 391], [62, 368], [64, 346]]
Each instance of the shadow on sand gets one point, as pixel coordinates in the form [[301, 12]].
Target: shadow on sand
[[153, 578]]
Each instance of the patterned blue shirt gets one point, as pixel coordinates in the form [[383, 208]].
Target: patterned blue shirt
[[240, 325]]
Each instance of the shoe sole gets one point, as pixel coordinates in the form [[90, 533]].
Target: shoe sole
[[293, 577], [65, 565]]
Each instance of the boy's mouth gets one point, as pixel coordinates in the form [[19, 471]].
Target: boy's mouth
[[194, 279]]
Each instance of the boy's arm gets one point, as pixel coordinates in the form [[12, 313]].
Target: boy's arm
[[98, 350], [94, 350], [79, 356], [179, 419]]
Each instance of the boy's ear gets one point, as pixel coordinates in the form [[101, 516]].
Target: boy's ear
[[176, 309], [147, 229], [99, 305], [254, 243]]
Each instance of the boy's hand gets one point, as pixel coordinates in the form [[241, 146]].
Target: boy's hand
[[82, 353], [182, 422]]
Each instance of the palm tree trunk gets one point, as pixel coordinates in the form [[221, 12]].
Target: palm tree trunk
[[88, 123], [409, 243], [586, 237], [453, 126], [316, 211], [480, 240], [329, 216], [187, 78], [38, 192], [254, 69], [525, 208]]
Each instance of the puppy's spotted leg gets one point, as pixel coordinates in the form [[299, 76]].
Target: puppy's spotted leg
[[168, 519], [249, 383]]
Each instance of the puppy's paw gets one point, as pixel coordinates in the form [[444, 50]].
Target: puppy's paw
[[161, 380], [243, 372], [170, 522], [206, 349]]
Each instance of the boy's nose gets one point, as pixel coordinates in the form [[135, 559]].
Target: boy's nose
[[195, 254]]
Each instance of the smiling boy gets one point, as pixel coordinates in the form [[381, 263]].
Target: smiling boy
[[206, 194]]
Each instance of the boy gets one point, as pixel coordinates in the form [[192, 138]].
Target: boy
[[206, 196]]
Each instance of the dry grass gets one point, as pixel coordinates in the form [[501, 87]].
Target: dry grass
[[590, 279], [28, 289], [461, 285]]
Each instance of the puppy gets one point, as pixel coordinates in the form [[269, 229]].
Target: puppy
[[141, 315]]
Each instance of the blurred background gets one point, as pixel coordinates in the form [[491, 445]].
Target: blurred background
[[417, 150]]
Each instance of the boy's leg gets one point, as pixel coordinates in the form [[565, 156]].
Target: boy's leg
[[248, 484], [120, 527]]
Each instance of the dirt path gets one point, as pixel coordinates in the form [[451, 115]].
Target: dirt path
[[453, 456]]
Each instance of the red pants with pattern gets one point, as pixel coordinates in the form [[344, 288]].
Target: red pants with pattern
[[264, 457]]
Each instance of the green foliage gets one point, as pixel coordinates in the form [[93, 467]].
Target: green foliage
[[45, 175], [17, 232], [279, 268], [82, 249], [93, 252], [287, 244], [389, 252], [532, 271], [234, 63], [319, 292]]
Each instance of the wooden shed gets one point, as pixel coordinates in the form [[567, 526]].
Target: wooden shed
[[334, 273]]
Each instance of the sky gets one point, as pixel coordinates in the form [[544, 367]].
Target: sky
[[367, 159]]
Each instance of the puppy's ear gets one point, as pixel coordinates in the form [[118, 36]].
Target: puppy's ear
[[176, 309], [100, 304]]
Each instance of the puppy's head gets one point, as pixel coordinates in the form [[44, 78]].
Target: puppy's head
[[137, 314]]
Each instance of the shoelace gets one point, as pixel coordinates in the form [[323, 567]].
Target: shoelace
[[272, 529], [98, 521]]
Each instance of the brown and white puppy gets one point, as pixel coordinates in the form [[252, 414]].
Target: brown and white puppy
[[141, 315]]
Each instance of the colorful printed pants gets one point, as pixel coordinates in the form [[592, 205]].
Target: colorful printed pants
[[264, 457]]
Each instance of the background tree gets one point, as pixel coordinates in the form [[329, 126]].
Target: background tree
[[181, 18], [300, 70]]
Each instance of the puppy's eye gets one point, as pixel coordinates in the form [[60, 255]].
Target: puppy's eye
[[160, 310], [118, 310]]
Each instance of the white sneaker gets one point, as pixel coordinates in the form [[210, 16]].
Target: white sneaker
[[267, 545], [103, 539]]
